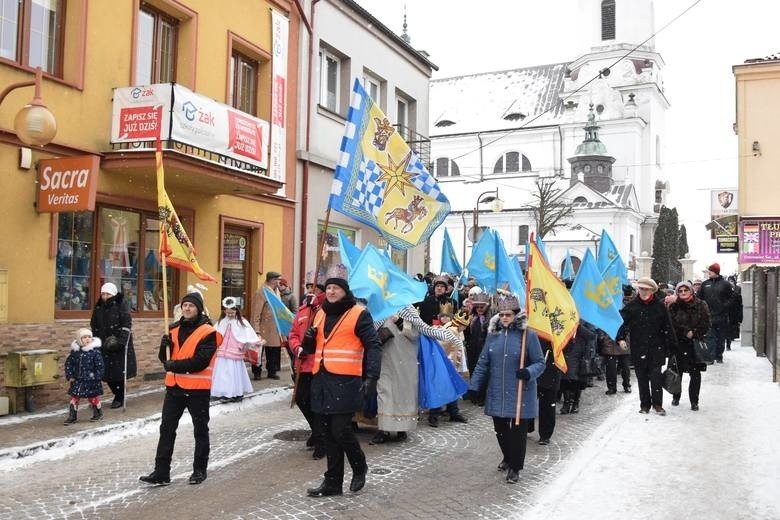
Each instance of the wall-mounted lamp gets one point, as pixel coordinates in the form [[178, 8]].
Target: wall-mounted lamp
[[756, 149], [34, 124]]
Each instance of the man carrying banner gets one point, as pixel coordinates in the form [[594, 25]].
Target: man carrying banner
[[265, 326]]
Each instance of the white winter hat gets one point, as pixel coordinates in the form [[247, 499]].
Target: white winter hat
[[83, 332], [109, 288]]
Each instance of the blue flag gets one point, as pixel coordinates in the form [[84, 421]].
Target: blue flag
[[282, 315], [449, 261], [491, 266], [615, 276], [380, 182], [384, 286], [607, 251], [521, 295], [568, 269], [593, 299], [542, 249], [349, 251]]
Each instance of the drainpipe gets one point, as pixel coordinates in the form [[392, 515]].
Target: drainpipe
[[305, 179], [481, 173], [560, 150]]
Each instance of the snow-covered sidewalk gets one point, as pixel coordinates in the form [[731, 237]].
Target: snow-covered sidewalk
[[716, 463]]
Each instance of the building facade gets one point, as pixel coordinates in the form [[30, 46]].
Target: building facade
[[348, 43], [218, 80], [503, 132]]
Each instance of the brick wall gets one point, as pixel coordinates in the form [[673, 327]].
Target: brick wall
[[58, 336]]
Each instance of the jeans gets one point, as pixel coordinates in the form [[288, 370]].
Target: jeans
[[173, 407], [512, 440], [649, 379], [716, 340]]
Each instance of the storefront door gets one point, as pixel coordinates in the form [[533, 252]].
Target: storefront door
[[235, 265]]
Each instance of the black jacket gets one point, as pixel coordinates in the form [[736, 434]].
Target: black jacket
[[340, 394], [649, 327], [111, 318], [431, 307], [718, 294], [204, 351], [689, 316], [551, 377]]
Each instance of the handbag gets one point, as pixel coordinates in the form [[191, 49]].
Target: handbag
[[672, 382], [701, 354]]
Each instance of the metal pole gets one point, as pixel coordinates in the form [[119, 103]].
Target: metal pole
[[124, 370]]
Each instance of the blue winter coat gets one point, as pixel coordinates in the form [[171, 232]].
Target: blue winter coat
[[496, 367], [85, 366]]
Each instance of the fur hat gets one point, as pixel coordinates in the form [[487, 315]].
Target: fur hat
[[715, 268], [647, 283], [194, 298], [109, 288], [509, 303], [440, 280], [480, 298], [462, 318], [83, 332], [229, 302]]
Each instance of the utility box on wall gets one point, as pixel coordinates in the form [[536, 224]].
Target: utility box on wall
[[25, 368]]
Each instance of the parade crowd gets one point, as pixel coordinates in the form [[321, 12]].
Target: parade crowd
[[350, 370]]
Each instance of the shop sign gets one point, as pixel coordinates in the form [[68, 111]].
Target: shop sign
[[759, 240], [280, 25], [727, 243], [175, 113], [67, 184]]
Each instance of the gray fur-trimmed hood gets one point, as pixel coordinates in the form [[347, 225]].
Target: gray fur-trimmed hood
[[95, 343], [520, 322]]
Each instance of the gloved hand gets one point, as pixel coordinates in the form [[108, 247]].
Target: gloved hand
[[384, 335], [368, 389], [168, 365], [523, 373], [472, 396], [165, 347], [111, 344], [309, 343]]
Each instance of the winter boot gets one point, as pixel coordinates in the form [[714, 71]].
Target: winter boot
[[71, 416], [611, 388], [97, 414], [568, 401], [575, 403]]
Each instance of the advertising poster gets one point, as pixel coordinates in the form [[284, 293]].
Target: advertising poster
[[280, 26], [759, 240]]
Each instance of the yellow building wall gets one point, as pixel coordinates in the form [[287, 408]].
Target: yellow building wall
[[84, 126], [758, 113]]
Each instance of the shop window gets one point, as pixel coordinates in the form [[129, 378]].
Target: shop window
[[156, 42], [110, 245], [32, 33], [243, 89]]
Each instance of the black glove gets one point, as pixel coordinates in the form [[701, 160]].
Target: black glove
[[165, 348], [111, 344], [368, 389], [309, 343], [168, 365], [472, 396], [523, 373], [384, 335]]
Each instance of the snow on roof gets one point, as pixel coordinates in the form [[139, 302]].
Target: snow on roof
[[496, 100]]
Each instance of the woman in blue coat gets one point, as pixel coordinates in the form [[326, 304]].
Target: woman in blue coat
[[498, 370]]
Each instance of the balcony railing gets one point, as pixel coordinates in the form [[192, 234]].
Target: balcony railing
[[419, 144]]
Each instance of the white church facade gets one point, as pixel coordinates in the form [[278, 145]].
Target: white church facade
[[501, 133]]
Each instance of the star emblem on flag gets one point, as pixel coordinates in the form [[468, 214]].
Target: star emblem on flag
[[395, 175]]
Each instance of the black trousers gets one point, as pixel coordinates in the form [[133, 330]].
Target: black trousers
[[303, 400], [273, 359], [512, 440], [693, 387], [613, 362], [649, 379], [118, 389], [173, 407], [547, 398], [340, 440]]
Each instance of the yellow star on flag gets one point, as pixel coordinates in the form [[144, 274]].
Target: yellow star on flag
[[395, 175]]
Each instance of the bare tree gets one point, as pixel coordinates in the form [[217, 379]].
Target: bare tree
[[549, 210]]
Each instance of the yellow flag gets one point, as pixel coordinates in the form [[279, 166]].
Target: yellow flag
[[175, 245], [550, 307]]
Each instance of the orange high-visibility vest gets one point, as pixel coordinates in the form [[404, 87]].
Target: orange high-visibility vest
[[342, 351], [196, 380]]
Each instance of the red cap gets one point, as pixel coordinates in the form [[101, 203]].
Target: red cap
[[715, 268]]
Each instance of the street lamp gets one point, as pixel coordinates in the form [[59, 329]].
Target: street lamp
[[497, 206], [34, 124]]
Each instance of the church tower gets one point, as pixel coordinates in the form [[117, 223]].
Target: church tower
[[590, 162], [616, 23]]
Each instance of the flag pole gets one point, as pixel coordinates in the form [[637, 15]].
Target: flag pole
[[519, 405], [165, 295]]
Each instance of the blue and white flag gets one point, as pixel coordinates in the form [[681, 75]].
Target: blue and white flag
[[593, 299], [449, 261], [382, 284], [380, 182]]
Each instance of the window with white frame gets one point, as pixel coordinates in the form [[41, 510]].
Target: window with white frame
[[330, 74], [446, 167], [402, 117], [512, 162], [374, 88]]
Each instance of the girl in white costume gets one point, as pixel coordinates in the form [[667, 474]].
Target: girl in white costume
[[230, 380]]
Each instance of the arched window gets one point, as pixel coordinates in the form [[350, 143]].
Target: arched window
[[580, 200], [446, 168], [512, 162], [608, 20]]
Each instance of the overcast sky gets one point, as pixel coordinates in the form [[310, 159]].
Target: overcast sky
[[464, 37]]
